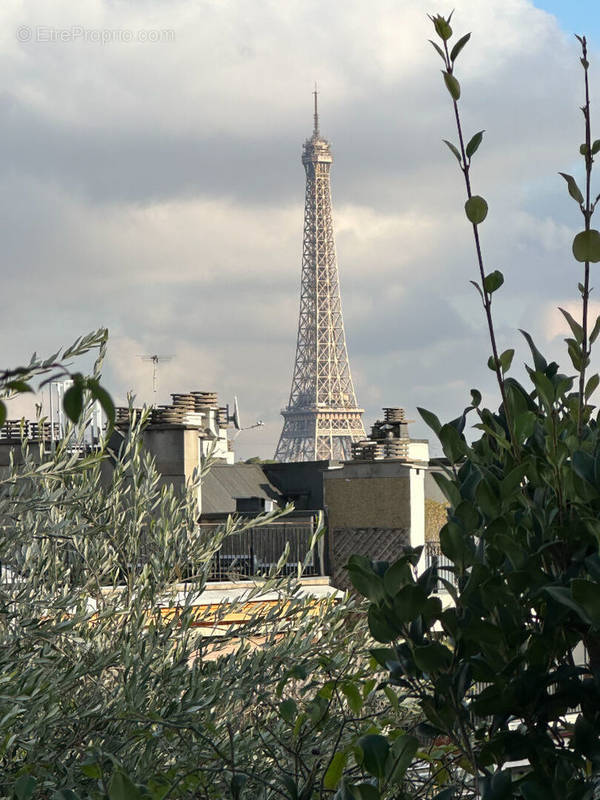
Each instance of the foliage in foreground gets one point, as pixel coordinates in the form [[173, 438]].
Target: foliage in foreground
[[507, 674], [104, 695], [40, 372]]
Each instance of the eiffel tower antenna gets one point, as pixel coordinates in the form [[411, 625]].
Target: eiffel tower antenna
[[322, 418]]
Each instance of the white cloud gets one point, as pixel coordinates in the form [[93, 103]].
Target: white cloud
[[157, 188]]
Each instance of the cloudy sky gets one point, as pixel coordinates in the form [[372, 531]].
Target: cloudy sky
[[150, 181]]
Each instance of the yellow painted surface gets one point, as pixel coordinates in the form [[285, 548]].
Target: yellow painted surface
[[435, 518], [370, 502]]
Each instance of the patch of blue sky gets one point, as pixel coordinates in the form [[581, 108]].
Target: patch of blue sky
[[576, 16]]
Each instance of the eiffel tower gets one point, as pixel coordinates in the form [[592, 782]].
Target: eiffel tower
[[322, 418]]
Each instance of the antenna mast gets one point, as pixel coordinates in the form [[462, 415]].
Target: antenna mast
[[316, 114], [155, 359]]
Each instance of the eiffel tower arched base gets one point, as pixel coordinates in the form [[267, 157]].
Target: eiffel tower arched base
[[320, 434]]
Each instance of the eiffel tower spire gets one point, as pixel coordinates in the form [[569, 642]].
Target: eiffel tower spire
[[322, 418]]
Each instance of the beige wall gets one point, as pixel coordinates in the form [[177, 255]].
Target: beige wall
[[368, 506], [368, 502], [175, 449]]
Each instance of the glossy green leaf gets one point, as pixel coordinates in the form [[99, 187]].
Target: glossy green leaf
[[591, 385], [478, 288], [467, 515], [583, 465], [409, 602], [291, 786], [382, 630], [373, 752], [475, 398], [288, 710], [452, 85], [453, 149], [431, 420], [353, 696], [439, 50], [448, 487], [2, 413], [92, 769], [19, 386], [534, 790], [433, 657], [73, 403], [596, 147], [24, 787], [544, 388], [505, 359], [487, 499], [595, 331], [476, 209], [446, 794], [573, 324], [563, 596], [238, 781], [511, 482], [453, 443], [364, 791], [586, 740], [574, 351], [398, 575], [364, 578], [383, 655], [573, 188], [121, 788], [587, 595], [392, 697], [335, 770], [539, 361], [459, 46], [102, 396], [586, 246], [403, 751], [493, 281], [498, 787], [474, 143]]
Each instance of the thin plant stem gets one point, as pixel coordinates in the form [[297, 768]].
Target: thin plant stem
[[587, 214], [485, 295]]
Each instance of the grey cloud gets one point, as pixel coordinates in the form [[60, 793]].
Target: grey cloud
[[159, 192]]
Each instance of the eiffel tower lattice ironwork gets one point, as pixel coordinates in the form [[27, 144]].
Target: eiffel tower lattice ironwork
[[322, 418]]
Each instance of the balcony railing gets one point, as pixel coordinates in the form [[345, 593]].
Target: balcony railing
[[432, 551], [242, 556], [255, 551]]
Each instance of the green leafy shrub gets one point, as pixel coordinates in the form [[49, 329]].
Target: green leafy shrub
[[103, 695], [507, 674]]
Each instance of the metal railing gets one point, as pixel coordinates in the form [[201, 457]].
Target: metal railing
[[255, 551], [445, 571], [20, 429], [241, 556]]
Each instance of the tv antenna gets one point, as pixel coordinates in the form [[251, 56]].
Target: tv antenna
[[155, 359]]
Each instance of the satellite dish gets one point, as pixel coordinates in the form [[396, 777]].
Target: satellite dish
[[236, 415], [237, 423]]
